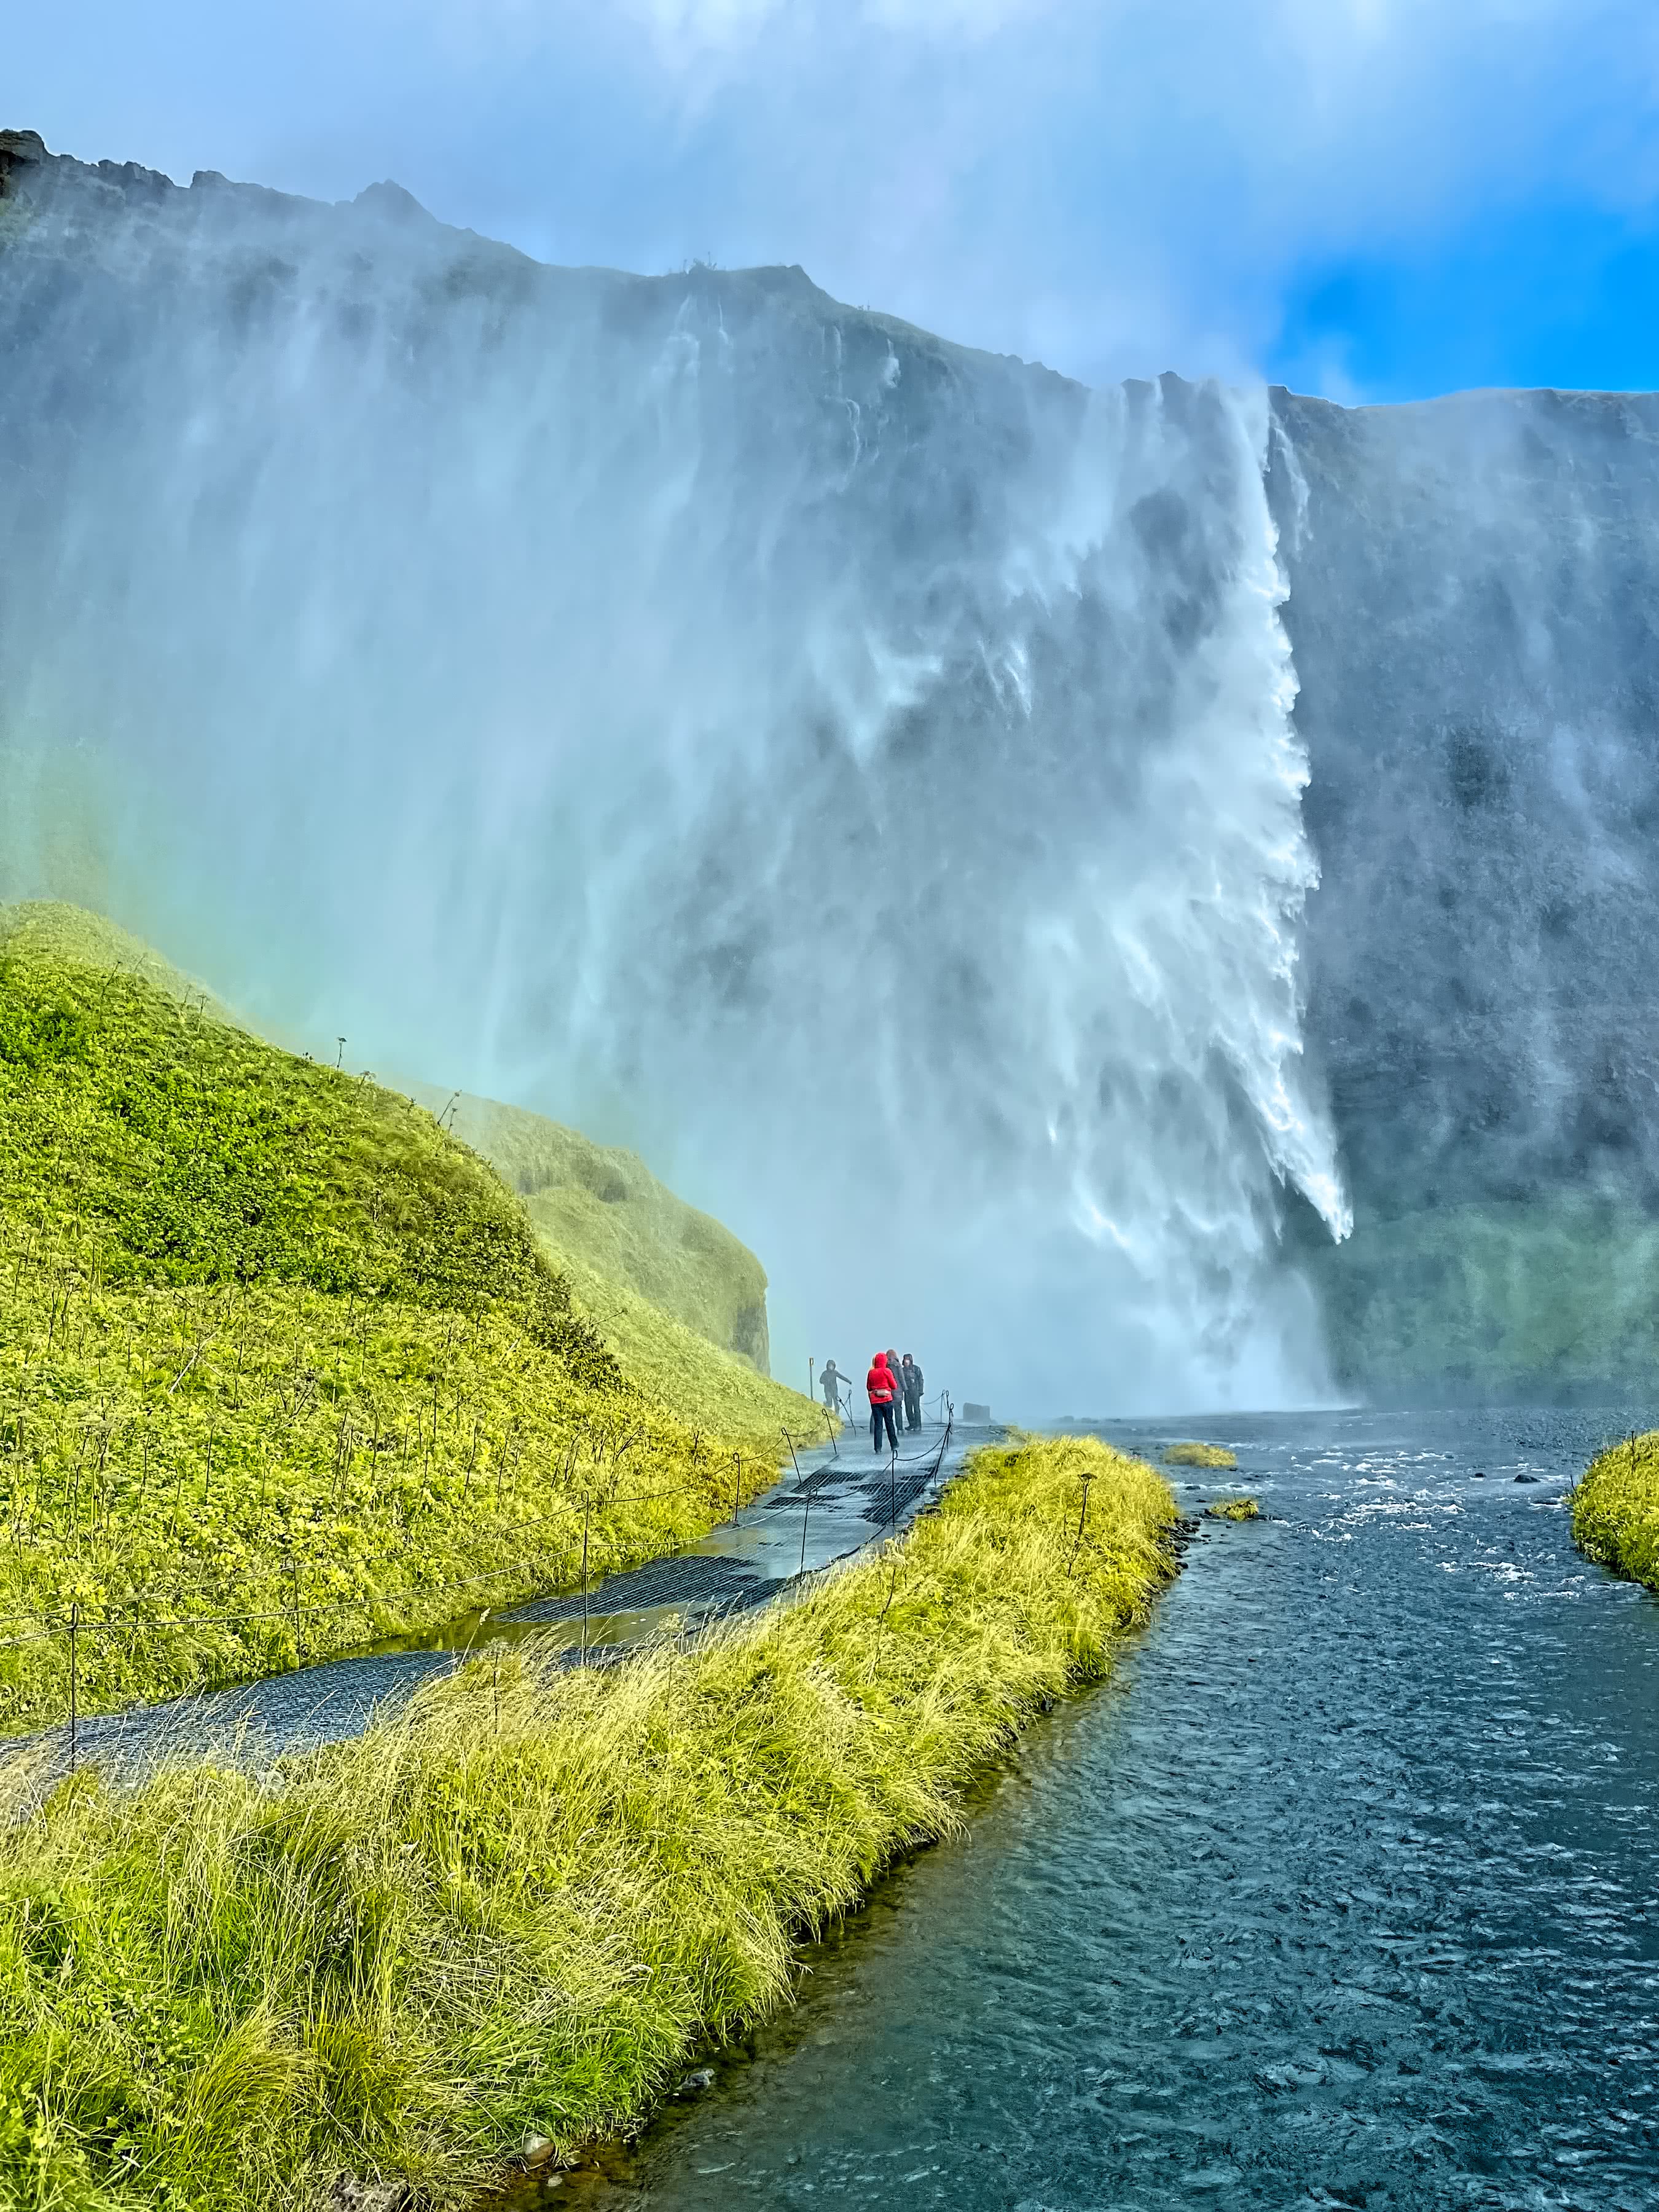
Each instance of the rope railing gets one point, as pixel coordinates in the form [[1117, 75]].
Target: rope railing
[[52, 1627], [179, 1592]]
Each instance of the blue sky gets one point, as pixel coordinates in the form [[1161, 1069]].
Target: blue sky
[[1369, 198]]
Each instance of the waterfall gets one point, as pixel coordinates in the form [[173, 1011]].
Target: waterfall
[[858, 772]]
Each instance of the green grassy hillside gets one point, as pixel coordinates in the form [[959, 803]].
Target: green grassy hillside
[[283, 1362], [604, 1216]]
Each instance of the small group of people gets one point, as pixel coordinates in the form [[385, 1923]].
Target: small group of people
[[893, 1385]]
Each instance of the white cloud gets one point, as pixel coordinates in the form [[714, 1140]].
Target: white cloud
[[1113, 185]]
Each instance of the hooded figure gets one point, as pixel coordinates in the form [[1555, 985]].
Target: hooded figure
[[882, 1387], [829, 1382], [911, 1384]]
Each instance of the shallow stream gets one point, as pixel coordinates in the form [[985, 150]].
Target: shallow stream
[[1345, 1892]]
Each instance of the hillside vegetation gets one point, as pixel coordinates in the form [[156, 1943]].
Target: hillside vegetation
[[509, 1911], [284, 1365], [1616, 1509], [609, 1221], [1557, 1293]]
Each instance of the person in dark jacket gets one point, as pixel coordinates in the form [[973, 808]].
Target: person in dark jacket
[[898, 1385], [830, 1381], [881, 1386], [910, 1387]]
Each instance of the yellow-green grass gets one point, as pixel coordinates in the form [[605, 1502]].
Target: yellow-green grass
[[280, 1356], [1242, 1508], [513, 1908], [605, 1216], [673, 1361], [1195, 1454], [1616, 1509]]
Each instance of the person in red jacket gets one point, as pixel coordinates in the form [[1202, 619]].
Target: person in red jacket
[[882, 1387]]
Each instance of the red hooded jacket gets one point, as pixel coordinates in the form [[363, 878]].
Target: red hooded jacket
[[879, 1383]]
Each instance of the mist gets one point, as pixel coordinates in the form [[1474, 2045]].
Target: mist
[[857, 773]]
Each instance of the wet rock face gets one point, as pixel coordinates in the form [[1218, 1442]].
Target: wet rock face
[[19, 149], [1473, 592], [750, 1338]]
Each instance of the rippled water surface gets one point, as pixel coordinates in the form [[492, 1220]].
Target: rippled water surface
[[1343, 1892]]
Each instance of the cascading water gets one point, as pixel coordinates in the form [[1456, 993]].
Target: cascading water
[[858, 772]]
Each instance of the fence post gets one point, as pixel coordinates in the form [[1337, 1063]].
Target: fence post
[[737, 1487], [806, 1515], [75, 1688], [1082, 1518], [586, 1509], [293, 1599], [892, 1488]]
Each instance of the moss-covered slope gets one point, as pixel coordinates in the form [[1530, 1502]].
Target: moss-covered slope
[[604, 1216], [282, 1363], [1555, 1296]]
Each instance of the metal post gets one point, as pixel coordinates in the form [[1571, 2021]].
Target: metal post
[[737, 1482], [293, 1599], [807, 1514], [1082, 1518], [586, 1509], [75, 1689], [893, 1489]]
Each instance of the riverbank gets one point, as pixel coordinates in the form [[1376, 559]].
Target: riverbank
[[509, 1911], [1342, 1895], [1616, 1509]]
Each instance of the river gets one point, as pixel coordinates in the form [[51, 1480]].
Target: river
[[1344, 1892]]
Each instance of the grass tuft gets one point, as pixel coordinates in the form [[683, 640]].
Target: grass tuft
[[511, 1910], [1616, 1509], [1195, 1454], [1242, 1508]]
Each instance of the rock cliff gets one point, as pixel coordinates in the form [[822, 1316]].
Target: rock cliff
[[738, 678]]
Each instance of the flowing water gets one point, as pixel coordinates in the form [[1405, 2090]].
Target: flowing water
[[1342, 1893]]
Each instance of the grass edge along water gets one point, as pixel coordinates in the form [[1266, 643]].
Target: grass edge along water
[[1616, 1509], [509, 1911]]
